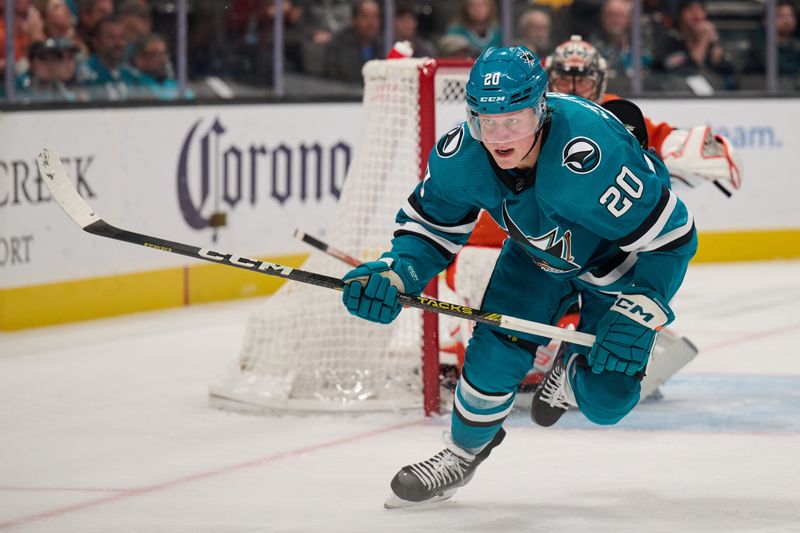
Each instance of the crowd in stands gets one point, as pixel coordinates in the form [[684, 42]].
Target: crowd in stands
[[81, 50], [88, 50]]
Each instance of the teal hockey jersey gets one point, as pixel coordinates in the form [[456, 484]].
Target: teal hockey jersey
[[596, 208]]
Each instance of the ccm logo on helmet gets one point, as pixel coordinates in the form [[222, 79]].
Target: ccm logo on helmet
[[492, 98]]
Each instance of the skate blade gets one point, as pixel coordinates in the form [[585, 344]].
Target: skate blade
[[395, 502]]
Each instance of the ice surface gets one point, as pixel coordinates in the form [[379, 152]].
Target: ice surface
[[105, 426]]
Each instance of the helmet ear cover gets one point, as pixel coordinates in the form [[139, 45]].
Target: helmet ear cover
[[505, 81]]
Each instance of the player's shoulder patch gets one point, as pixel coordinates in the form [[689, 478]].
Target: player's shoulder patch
[[451, 142], [581, 155]]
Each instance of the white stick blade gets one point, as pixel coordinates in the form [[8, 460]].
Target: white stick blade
[[57, 180]]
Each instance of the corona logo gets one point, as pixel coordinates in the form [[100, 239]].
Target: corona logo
[[216, 170]]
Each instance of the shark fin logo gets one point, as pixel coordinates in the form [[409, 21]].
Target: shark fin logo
[[451, 142], [550, 253], [581, 155]]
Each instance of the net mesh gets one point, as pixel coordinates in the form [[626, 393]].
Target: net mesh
[[302, 350]]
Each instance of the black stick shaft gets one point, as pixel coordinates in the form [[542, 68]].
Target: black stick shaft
[[103, 229]]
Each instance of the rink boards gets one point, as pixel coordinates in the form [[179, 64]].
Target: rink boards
[[241, 178]]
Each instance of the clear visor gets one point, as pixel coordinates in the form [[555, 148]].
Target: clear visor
[[504, 127]]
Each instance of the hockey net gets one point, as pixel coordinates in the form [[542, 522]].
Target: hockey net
[[302, 351]]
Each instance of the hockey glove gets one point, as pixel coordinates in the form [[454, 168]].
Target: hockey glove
[[371, 289], [627, 333], [698, 156]]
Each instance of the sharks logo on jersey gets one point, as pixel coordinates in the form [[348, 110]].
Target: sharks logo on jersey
[[451, 142], [549, 253], [581, 155]]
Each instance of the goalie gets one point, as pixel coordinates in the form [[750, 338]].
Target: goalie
[[694, 157], [589, 216]]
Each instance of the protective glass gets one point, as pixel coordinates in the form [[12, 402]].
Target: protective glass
[[504, 127]]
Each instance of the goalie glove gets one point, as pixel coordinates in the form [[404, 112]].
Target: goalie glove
[[697, 156]]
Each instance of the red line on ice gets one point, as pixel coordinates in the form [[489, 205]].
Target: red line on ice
[[781, 330], [130, 493]]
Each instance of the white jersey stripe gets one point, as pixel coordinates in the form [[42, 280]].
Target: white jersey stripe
[[612, 276], [413, 227], [656, 228], [675, 234], [412, 213], [474, 417], [469, 390]]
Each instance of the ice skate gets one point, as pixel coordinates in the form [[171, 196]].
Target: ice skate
[[437, 479], [554, 395]]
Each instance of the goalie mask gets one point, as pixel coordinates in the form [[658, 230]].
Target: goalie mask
[[576, 67], [505, 95]]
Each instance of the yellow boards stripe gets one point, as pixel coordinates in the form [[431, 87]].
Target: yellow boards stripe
[[70, 301], [211, 283], [748, 245], [85, 299]]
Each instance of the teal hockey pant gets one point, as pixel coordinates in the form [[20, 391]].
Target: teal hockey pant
[[497, 360]]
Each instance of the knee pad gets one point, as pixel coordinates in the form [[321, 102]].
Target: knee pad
[[605, 398]]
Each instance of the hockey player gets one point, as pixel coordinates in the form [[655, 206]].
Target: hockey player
[[589, 214], [694, 157]]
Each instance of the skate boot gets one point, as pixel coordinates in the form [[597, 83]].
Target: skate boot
[[554, 395], [437, 479]]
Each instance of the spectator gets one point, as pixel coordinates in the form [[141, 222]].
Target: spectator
[[560, 12], [137, 21], [151, 59], [316, 20], [692, 48], [40, 83], [60, 24], [477, 22], [105, 72], [406, 27], [73, 8], [353, 46], [90, 13], [454, 46], [612, 39], [67, 70], [535, 31], [251, 23], [656, 17], [28, 28], [332, 15], [788, 43]]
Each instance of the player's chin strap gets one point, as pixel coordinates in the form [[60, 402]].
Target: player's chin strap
[[544, 124], [535, 140]]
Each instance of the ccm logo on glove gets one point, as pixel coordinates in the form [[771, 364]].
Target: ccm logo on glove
[[643, 310]]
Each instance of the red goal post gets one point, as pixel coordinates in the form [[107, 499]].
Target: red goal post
[[302, 351], [449, 88]]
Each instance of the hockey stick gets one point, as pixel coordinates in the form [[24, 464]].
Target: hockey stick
[[327, 248], [60, 186]]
